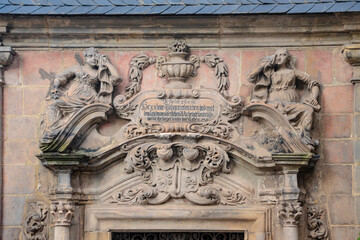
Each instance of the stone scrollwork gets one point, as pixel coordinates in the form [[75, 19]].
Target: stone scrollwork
[[35, 223], [317, 228], [62, 212], [289, 213], [178, 170]]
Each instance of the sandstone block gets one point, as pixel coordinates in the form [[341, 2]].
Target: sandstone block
[[342, 211], [13, 208], [338, 99], [337, 179], [18, 179], [33, 99], [13, 101], [319, 65], [25, 127], [338, 151], [336, 126]]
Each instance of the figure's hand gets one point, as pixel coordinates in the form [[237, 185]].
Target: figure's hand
[[311, 101], [56, 83]]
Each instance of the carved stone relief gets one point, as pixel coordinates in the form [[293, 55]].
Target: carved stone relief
[[275, 80], [62, 212], [79, 92], [179, 143], [35, 225], [289, 213], [317, 227]]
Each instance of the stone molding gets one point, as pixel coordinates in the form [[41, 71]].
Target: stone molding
[[126, 33]]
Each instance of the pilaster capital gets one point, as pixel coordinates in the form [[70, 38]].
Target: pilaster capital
[[289, 213], [62, 212]]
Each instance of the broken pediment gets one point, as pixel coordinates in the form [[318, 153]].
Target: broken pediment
[[176, 139]]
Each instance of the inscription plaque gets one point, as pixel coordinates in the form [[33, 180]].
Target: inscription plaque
[[179, 110]]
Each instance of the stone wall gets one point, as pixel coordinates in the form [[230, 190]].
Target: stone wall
[[334, 184]]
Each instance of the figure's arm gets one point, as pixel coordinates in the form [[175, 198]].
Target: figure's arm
[[114, 75], [313, 87], [62, 78], [268, 62]]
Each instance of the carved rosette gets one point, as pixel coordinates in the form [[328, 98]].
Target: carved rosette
[[35, 223], [62, 213], [317, 228], [178, 170], [289, 213]]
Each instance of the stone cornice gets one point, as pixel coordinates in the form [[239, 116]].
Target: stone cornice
[[219, 31]]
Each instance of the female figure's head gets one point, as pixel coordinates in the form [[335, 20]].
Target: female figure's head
[[91, 56], [282, 57]]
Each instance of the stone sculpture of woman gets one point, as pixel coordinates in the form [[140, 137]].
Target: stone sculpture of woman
[[275, 83], [89, 82]]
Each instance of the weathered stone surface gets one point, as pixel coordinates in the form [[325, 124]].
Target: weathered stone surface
[[343, 71], [25, 127], [340, 232], [49, 60], [12, 73], [338, 99], [319, 64], [337, 179], [18, 179], [15, 152], [342, 210], [33, 99], [357, 179], [13, 209], [13, 101], [341, 151], [336, 126], [357, 151], [11, 233]]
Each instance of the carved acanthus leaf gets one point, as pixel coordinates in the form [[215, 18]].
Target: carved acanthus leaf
[[289, 213], [137, 65], [62, 212], [317, 228], [35, 222]]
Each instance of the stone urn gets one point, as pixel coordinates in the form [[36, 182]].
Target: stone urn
[[175, 67]]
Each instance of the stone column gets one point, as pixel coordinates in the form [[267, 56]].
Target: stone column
[[289, 209], [62, 213], [6, 58]]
